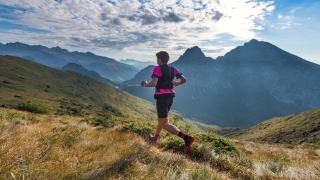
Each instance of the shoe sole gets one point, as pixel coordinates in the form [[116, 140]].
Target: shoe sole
[[189, 146]]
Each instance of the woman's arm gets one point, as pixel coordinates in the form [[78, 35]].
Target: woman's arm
[[152, 83], [182, 81]]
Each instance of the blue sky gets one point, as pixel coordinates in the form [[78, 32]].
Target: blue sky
[[137, 29]]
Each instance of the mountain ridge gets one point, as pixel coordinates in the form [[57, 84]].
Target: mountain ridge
[[57, 57], [90, 73], [253, 85]]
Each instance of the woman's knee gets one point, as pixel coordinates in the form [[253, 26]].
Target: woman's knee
[[163, 122]]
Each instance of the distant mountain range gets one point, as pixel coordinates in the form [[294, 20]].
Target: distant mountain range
[[138, 64], [92, 74], [57, 58], [249, 84]]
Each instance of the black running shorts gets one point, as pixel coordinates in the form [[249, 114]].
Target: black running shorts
[[163, 106]]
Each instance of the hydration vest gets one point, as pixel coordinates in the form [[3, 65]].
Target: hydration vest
[[166, 80]]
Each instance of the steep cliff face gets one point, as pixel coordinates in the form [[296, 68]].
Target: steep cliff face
[[251, 83]]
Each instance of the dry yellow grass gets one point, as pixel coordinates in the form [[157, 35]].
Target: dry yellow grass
[[34, 146], [279, 161], [58, 147]]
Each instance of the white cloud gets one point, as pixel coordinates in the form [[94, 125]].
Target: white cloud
[[270, 9], [128, 24], [288, 17]]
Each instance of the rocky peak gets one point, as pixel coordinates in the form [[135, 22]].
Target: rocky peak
[[192, 54], [60, 50], [252, 41], [253, 50], [260, 52]]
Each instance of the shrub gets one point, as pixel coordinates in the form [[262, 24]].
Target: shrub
[[113, 110], [141, 127], [219, 145], [31, 106], [95, 121], [171, 142]]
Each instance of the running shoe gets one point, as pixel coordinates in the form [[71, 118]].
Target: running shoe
[[152, 139], [188, 143]]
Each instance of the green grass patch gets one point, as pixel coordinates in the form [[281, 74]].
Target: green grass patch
[[31, 106], [219, 144], [139, 126]]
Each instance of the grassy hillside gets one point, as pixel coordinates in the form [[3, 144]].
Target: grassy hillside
[[63, 92], [303, 127], [37, 146], [23, 82]]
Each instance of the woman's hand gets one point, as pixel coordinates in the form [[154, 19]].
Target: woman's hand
[[144, 83]]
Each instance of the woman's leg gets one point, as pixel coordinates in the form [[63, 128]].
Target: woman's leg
[[163, 123]]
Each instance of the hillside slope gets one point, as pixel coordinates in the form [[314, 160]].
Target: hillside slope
[[303, 127], [65, 92]]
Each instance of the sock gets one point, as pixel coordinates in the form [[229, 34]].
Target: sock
[[182, 135], [156, 136]]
